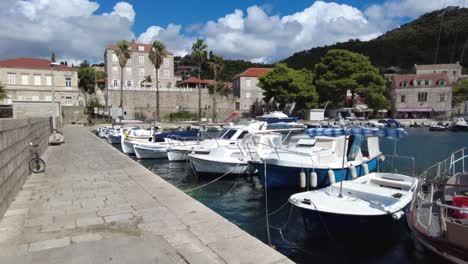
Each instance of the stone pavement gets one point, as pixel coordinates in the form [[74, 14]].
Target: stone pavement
[[95, 205]]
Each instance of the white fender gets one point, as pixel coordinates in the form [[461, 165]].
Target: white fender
[[313, 179], [331, 176], [352, 170], [302, 179], [365, 168]]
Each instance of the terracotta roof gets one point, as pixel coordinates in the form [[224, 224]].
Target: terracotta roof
[[437, 66], [32, 63], [253, 72], [134, 45], [196, 80], [397, 79]]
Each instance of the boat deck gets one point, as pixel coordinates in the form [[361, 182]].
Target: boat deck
[[428, 216]]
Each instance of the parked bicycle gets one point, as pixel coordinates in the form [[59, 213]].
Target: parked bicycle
[[36, 165]]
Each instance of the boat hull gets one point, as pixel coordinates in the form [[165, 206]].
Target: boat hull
[[142, 152], [127, 147], [114, 139], [215, 167], [284, 176], [182, 155]]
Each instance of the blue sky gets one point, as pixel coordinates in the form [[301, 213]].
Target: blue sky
[[254, 30], [190, 12]]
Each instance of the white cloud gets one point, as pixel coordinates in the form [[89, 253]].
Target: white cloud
[[70, 28], [171, 36]]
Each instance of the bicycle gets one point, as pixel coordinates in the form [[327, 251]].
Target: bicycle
[[36, 165]]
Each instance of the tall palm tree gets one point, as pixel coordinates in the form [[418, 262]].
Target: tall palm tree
[[124, 53], [157, 54], [199, 55], [216, 64]]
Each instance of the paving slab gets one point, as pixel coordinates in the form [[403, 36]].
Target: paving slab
[[95, 205]]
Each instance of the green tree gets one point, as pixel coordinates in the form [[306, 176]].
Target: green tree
[[286, 85], [3, 93], [342, 70], [123, 53], [156, 55], [216, 64], [199, 55], [460, 92]]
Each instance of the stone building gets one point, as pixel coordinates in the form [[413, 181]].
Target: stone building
[[249, 97], [453, 70], [422, 95], [28, 83], [140, 94]]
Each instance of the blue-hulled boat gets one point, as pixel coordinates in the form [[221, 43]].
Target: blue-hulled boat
[[277, 117], [338, 154]]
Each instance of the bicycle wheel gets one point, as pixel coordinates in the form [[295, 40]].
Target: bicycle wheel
[[37, 165]]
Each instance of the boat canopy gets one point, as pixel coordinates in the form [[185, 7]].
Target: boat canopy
[[365, 132]]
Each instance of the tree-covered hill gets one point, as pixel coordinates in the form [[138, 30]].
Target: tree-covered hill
[[411, 43]]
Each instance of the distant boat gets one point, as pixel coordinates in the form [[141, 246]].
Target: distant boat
[[460, 124], [277, 117], [437, 127]]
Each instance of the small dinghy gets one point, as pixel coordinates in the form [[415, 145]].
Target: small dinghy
[[365, 199]]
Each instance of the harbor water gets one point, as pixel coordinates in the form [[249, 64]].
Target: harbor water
[[242, 201]]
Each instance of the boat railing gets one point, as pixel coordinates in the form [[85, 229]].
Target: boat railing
[[398, 157], [430, 209]]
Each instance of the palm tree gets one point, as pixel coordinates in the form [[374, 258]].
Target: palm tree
[[216, 64], [199, 55], [157, 54], [124, 53]]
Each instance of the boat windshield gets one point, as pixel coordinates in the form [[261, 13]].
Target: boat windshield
[[227, 133]]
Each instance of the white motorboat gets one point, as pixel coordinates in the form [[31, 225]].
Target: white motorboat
[[132, 137], [102, 132], [234, 159], [114, 135], [460, 124], [364, 199], [229, 136], [151, 150]]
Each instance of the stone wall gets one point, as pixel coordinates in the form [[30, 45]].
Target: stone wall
[[142, 104], [15, 135]]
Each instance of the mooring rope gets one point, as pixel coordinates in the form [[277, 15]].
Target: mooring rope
[[213, 181]]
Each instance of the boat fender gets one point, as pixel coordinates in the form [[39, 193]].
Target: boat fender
[[331, 176], [398, 215], [382, 158], [193, 150], [313, 179], [352, 170], [365, 168], [302, 179]]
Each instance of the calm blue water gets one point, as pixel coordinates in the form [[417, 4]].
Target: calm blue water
[[242, 201]]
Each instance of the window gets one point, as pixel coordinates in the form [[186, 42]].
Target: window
[[48, 98], [37, 80], [11, 78], [248, 83], [25, 79], [128, 70], [115, 70], [129, 83], [129, 61], [403, 84], [422, 97], [141, 71], [427, 82], [168, 85], [49, 80], [141, 48], [166, 73], [115, 83], [35, 98], [418, 82], [454, 72], [114, 57], [68, 100], [441, 82], [248, 95], [68, 82], [141, 59], [442, 97], [403, 99], [166, 61]]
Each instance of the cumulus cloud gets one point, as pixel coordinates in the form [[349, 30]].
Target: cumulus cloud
[[171, 36], [69, 28], [258, 36]]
